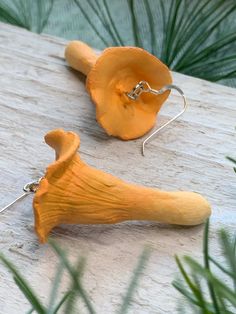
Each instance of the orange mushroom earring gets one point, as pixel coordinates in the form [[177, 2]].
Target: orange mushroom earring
[[74, 193], [128, 85]]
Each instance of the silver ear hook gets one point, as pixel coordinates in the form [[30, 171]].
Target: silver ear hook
[[29, 188], [144, 87]]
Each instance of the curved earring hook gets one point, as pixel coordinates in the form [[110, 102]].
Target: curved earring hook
[[30, 187], [144, 87]]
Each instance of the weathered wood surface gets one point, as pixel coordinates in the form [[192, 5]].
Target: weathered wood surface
[[38, 93]]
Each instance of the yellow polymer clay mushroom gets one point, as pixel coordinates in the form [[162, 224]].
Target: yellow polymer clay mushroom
[[75, 193], [111, 76]]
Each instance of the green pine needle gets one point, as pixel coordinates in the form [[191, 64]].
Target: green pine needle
[[134, 281], [55, 287], [233, 160], [221, 299], [221, 293], [61, 303], [207, 266], [74, 276], [76, 289], [24, 286]]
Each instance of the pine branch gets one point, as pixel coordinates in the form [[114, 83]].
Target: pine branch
[[221, 292]]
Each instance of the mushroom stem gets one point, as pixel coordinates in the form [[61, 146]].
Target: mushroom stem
[[178, 207], [80, 56]]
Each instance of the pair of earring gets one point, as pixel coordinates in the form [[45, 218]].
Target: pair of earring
[[73, 192]]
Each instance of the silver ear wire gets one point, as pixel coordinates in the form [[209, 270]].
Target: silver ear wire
[[144, 87], [29, 188]]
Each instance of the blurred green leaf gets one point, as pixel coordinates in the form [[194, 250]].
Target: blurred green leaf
[[198, 294], [228, 248], [233, 160], [222, 297], [219, 285], [30, 14], [195, 37], [74, 276], [55, 287], [134, 281], [207, 267], [62, 301], [24, 286]]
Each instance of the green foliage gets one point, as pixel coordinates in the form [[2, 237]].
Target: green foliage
[[200, 279], [76, 289], [195, 37], [203, 288], [30, 14], [66, 300]]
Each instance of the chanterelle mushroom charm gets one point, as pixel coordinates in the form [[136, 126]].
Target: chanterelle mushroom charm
[[111, 77], [75, 193]]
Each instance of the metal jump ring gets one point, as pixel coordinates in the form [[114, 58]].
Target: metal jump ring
[[29, 188]]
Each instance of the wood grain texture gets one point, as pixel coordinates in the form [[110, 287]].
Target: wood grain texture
[[39, 92]]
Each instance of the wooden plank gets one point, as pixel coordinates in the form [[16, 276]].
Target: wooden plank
[[39, 93]]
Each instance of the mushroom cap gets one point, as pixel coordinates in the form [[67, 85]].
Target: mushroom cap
[[117, 71], [47, 200]]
